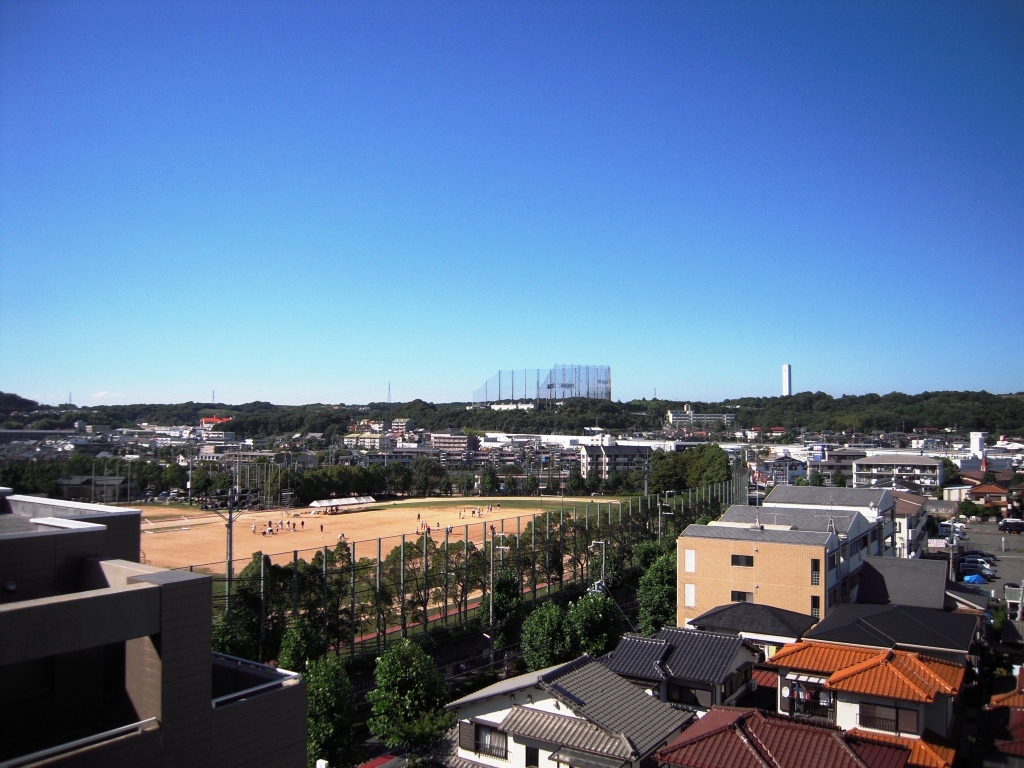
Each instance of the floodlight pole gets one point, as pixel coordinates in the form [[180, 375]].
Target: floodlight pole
[[604, 548], [490, 601]]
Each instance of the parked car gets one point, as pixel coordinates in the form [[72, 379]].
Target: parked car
[[968, 568], [978, 553], [1011, 525], [973, 560], [973, 578]]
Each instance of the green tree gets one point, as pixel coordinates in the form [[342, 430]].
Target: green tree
[[656, 595], [489, 481], [301, 644], [330, 713], [816, 479], [574, 484], [646, 552], [546, 639], [838, 479], [508, 607], [596, 623], [409, 699], [234, 637]]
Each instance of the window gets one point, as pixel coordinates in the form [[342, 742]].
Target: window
[[815, 572], [815, 606], [745, 561], [689, 595], [742, 597], [532, 757], [891, 719], [689, 560], [483, 739]]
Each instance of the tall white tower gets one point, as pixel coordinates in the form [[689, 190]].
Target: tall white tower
[[787, 380]]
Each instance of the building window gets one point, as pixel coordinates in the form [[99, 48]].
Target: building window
[[815, 606], [815, 572], [742, 597], [745, 561], [689, 560], [483, 739], [532, 757], [689, 595], [889, 719]]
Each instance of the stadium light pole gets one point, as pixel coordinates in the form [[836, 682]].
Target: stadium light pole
[[490, 601]]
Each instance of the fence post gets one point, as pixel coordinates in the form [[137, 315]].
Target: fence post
[[352, 612], [324, 577], [401, 584]]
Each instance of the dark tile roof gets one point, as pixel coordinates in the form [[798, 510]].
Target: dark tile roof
[[682, 654], [566, 731], [903, 581], [754, 617], [735, 738], [822, 496], [594, 692], [888, 626], [619, 716], [639, 657]]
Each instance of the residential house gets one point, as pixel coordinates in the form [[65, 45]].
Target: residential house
[[904, 696], [785, 470], [910, 523], [764, 626], [687, 668], [992, 496], [930, 631], [578, 714], [1005, 712], [735, 738], [923, 582]]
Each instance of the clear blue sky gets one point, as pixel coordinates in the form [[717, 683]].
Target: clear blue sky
[[304, 201]]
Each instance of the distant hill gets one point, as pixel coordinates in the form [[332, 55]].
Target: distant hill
[[965, 411]]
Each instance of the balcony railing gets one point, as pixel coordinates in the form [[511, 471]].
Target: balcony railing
[[499, 751], [878, 723]]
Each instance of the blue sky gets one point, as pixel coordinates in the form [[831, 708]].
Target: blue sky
[[302, 202]]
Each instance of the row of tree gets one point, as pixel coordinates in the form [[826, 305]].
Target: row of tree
[[811, 410]]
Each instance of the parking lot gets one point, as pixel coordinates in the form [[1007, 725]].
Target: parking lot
[[1009, 548]]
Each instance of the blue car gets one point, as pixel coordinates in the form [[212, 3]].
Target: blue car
[[975, 578]]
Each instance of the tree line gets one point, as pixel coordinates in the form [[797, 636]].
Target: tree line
[[815, 411]]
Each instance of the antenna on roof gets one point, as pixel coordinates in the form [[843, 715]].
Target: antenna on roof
[[831, 524]]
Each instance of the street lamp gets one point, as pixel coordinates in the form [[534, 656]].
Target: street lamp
[[601, 586], [490, 602]]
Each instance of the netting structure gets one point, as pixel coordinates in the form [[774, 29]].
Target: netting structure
[[555, 383]]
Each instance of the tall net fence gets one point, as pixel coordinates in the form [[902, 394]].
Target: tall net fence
[[361, 596], [556, 383]]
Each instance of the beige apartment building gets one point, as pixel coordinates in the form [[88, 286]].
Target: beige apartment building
[[802, 571]]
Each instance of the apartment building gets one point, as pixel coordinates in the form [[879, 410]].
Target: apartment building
[[605, 459], [450, 441], [793, 570], [686, 418], [902, 469], [107, 662]]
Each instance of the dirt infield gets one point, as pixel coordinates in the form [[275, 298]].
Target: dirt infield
[[199, 538]]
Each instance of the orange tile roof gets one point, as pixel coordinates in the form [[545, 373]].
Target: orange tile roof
[[900, 675], [823, 658], [1011, 699], [929, 751]]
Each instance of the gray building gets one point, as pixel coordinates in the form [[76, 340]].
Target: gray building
[[107, 662]]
